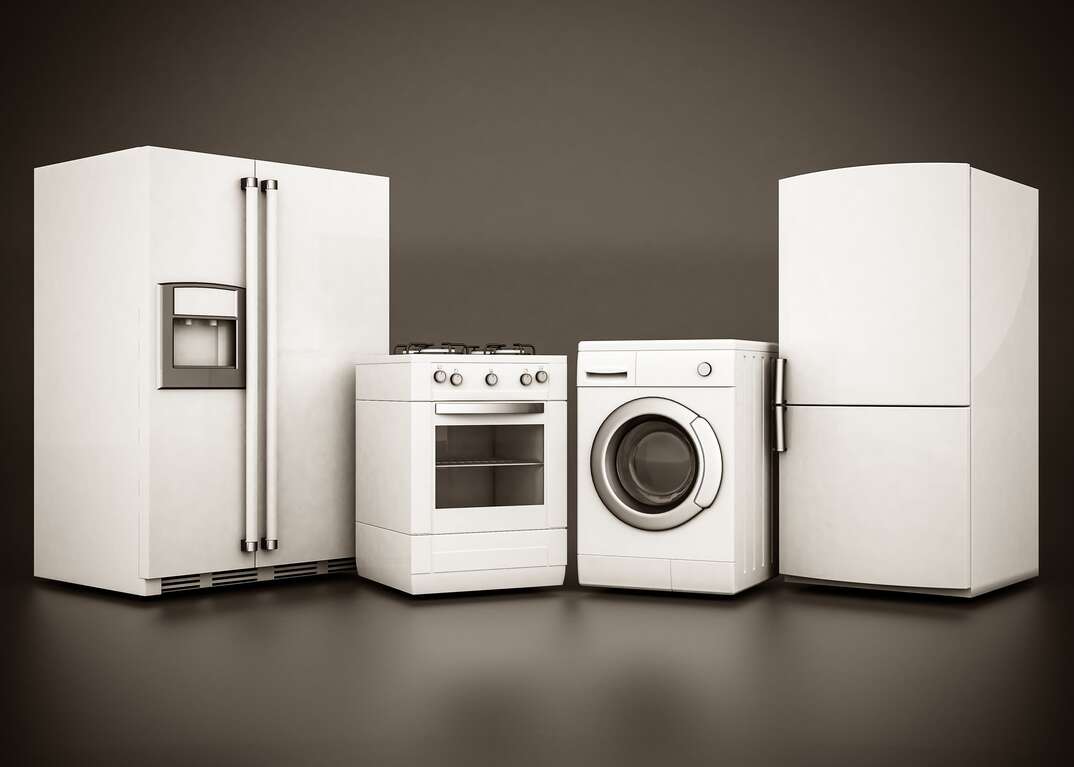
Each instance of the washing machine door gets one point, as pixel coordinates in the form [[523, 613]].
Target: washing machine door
[[656, 463]]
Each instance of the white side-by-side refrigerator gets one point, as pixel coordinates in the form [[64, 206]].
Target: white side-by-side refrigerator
[[196, 318], [906, 397]]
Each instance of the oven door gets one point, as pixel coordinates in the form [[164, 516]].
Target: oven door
[[498, 466]]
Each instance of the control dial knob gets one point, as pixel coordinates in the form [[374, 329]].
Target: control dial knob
[[525, 379], [439, 376], [491, 379], [542, 376], [456, 379]]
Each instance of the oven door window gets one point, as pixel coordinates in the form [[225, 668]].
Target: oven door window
[[489, 465]]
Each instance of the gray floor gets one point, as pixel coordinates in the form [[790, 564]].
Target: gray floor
[[340, 671]]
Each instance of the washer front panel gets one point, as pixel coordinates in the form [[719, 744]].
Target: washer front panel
[[688, 425]]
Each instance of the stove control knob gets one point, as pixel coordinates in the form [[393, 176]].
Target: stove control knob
[[456, 379], [492, 379], [542, 376], [704, 369], [526, 379], [439, 376]]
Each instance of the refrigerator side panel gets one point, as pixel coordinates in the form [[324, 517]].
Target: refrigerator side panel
[[197, 436], [876, 495], [1005, 397], [874, 285], [332, 235], [91, 241]]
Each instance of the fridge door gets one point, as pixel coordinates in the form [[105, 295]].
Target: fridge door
[[874, 285], [193, 519], [876, 495], [331, 283]]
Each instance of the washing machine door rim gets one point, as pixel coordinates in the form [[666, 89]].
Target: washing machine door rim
[[706, 452]]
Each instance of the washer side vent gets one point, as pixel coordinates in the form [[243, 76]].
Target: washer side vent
[[295, 570], [179, 583], [340, 566], [235, 577]]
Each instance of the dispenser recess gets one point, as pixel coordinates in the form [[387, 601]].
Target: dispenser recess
[[202, 336]]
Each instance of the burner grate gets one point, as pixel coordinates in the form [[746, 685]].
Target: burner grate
[[448, 347], [444, 347], [505, 349]]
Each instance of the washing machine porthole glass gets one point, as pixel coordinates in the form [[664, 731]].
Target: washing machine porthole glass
[[656, 464]]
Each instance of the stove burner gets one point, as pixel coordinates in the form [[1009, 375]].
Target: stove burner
[[446, 347], [505, 349]]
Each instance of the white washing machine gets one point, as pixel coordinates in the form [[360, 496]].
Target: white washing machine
[[675, 461]]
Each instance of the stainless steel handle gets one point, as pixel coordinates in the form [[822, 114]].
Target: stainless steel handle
[[271, 541], [488, 408], [253, 401], [780, 408]]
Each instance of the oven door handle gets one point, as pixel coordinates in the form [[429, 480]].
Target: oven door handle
[[488, 408]]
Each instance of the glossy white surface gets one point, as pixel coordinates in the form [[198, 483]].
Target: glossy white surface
[[877, 495], [333, 308], [657, 574], [736, 531], [396, 423], [874, 285], [196, 229], [1005, 388], [607, 368], [152, 479], [396, 476], [85, 520], [935, 499], [412, 377], [697, 344], [425, 564], [211, 302]]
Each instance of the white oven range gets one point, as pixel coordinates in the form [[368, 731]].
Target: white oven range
[[461, 467]]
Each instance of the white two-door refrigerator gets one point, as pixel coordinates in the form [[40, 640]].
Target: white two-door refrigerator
[[907, 390], [196, 318]]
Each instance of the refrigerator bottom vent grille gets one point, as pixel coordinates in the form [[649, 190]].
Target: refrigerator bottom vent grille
[[340, 565], [296, 570], [179, 583], [234, 577], [175, 583]]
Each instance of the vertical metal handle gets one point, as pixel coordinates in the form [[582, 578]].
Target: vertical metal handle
[[780, 407], [253, 401], [270, 188]]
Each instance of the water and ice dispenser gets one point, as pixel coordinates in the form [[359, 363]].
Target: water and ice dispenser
[[203, 336]]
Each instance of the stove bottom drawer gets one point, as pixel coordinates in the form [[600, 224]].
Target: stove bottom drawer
[[489, 551], [431, 564], [489, 559]]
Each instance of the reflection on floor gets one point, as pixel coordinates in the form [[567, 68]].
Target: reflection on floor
[[340, 670]]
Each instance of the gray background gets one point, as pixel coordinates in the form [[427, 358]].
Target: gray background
[[560, 171]]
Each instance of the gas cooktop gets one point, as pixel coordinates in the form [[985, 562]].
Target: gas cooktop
[[453, 348]]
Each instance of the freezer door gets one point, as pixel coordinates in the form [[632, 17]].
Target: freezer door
[[193, 521], [874, 285], [331, 283], [876, 495]]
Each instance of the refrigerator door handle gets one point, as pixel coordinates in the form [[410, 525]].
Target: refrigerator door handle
[[270, 188], [780, 408], [253, 420]]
